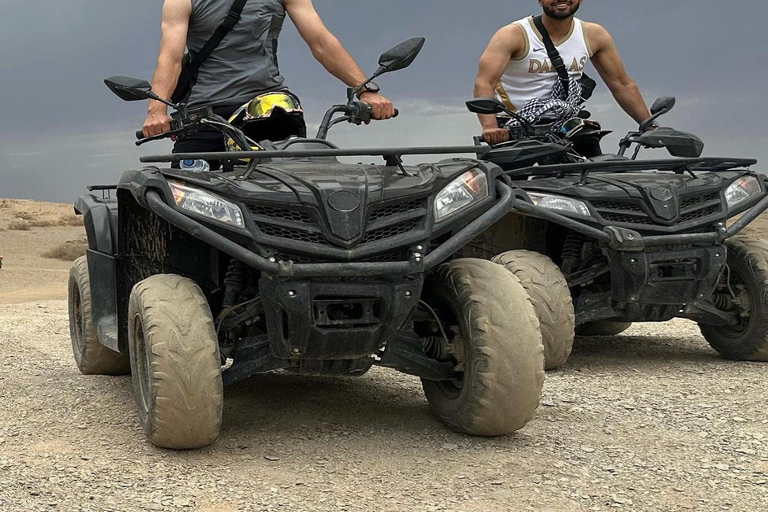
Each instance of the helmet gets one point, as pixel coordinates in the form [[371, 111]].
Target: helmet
[[271, 116]]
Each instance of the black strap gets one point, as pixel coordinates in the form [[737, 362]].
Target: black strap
[[225, 28], [554, 55]]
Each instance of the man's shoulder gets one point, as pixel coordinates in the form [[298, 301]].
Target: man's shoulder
[[597, 35], [594, 29]]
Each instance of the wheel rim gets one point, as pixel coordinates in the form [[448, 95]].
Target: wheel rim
[[76, 304], [141, 363]]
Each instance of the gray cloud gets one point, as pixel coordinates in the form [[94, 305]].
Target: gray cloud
[[61, 129]]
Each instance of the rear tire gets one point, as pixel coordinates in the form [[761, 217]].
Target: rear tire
[[504, 358], [602, 328], [176, 362], [748, 262], [91, 357], [551, 299]]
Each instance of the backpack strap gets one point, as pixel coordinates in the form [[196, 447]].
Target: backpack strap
[[225, 28], [554, 55]]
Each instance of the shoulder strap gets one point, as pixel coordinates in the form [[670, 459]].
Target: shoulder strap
[[554, 55], [225, 28]]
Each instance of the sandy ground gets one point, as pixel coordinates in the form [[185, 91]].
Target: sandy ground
[[652, 420]]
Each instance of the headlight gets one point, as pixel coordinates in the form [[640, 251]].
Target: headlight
[[741, 190], [560, 204], [206, 204], [467, 189]]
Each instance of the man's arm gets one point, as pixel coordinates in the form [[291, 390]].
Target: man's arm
[[173, 40], [608, 63], [507, 43], [331, 54]]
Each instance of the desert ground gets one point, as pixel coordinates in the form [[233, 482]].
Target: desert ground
[[651, 420]]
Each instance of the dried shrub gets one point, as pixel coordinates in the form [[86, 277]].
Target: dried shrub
[[19, 226], [5, 203], [43, 223], [71, 220], [24, 215], [68, 251]]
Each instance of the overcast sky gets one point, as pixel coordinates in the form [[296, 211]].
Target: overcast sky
[[61, 129]]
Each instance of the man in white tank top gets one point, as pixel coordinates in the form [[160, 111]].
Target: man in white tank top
[[516, 69]]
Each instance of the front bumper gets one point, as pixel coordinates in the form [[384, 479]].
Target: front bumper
[[621, 239], [283, 269]]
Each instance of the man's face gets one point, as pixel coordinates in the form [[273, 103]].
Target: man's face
[[560, 9]]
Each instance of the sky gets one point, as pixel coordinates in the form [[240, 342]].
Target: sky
[[61, 129]]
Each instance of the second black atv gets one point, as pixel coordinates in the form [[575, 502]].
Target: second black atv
[[617, 240], [299, 263]]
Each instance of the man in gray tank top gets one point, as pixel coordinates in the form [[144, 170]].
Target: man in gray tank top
[[245, 63]]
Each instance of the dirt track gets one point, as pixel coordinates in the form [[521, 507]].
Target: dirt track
[[653, 420]]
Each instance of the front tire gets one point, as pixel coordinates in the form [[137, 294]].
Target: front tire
[[503, 362], [551, 299], [176, 363], [747, 341], [91, 357]]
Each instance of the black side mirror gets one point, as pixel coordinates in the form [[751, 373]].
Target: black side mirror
[[663, 105], [486, 106], [130, 89], [401, 56]]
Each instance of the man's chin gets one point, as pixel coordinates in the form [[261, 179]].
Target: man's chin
[[561, 15]]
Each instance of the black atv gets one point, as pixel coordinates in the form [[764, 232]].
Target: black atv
[[619, 240], [298, 263]]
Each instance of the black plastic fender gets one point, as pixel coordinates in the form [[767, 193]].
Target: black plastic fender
[[100, 219]]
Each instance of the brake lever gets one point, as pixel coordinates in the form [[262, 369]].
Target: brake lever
[[166, 135]]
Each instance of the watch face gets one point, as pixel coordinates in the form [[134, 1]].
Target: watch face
[[372, 87]]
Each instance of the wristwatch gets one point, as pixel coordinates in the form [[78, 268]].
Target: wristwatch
[[369, 87]]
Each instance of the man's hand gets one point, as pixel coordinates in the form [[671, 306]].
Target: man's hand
[[495, 136], [157, 122], [381, 107]]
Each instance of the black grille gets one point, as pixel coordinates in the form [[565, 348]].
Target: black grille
[[383, 212], [625, 219], [692, 208], [301, 225], [283, 214], [625, 207], [694, 201], [298, 235], [390, 231], [699, 214]]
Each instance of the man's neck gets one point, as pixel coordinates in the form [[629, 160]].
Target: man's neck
[[557, 29]]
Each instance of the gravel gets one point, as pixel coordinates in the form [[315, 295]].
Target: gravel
[[651, 420]]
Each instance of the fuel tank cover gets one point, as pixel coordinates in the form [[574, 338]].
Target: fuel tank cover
[[344, 201]]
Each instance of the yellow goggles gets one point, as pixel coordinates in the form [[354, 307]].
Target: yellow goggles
[[263, 105]]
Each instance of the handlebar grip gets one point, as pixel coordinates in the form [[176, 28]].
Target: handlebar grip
[[140, 134], [397, 113], [480, 139]]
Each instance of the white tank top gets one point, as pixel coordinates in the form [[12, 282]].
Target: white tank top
[[532, 75]]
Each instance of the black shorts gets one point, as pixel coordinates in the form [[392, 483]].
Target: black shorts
[[207, 140]]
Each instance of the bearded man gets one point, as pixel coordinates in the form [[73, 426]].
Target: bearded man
[[516, 69]]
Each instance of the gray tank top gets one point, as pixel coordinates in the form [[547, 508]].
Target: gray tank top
[[245, 63]]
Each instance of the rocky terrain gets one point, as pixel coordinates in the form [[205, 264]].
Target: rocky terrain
[[651, 420]]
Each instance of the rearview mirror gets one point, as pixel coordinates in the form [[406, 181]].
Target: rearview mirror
[[486, 106], [401, 56], [663, 105], [130, 89]]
